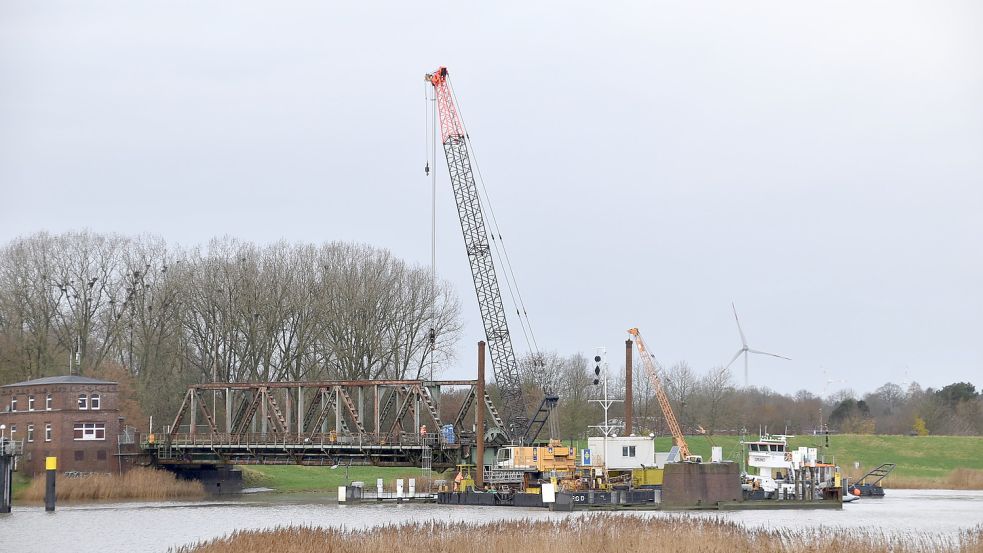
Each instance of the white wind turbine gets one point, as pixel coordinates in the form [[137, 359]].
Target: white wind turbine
[[745, 349]]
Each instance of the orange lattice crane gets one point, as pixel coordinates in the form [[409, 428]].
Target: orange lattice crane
[[660, 393]]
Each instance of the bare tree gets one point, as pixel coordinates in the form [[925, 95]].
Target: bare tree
[[714, 389], [680, 383]]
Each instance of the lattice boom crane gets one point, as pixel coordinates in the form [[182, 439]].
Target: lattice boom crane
[[453, 138], [660, 394]]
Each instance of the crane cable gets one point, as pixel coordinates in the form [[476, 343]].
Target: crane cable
[[510, 284], [430, 169], [510, 279]]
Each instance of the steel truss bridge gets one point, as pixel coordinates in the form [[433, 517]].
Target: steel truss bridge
[[357, 422]]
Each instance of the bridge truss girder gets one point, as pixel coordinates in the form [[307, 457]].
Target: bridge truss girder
[[316, 422]]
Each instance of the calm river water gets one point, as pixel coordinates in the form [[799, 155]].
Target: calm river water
[[156, 527]]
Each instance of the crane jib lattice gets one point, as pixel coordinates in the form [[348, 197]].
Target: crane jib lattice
[[479, 253]]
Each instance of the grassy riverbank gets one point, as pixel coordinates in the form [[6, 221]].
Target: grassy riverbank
[[136, 484], [293, 478], [946, 462], [954, 462], [590, 534]]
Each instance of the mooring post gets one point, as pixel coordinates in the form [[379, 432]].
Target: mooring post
[[479, 419], [51, 470], [6, 475], [628, 388]]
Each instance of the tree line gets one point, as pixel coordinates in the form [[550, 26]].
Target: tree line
[[709, 402], [157, 318], [231, 311]]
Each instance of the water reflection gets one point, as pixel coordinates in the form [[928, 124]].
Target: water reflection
[[138, 527]]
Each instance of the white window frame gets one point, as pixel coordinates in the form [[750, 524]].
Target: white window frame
[[48, 400], [90, 431], [30, 402], [83, 402], [48, 433], [30, 433], [95, 402], [13, 404]]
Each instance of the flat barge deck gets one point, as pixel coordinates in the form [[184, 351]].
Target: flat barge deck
[[632, 500]]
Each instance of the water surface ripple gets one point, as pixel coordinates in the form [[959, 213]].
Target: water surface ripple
[[156, 527]]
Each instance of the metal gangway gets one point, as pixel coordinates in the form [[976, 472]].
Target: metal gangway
[[869, 484]]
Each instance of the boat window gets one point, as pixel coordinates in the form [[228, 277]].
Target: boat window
[[754, 447]]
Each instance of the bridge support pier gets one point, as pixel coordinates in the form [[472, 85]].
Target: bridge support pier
[[216, 479]]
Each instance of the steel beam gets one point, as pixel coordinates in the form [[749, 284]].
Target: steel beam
[[329, 384]]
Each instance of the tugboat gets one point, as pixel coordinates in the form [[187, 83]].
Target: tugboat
[[773, 471], [768, 473]]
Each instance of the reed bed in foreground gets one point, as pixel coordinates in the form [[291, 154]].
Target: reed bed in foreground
[[592, 533], [139, 483]]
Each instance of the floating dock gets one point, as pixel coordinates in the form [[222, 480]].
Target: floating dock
[[686, 487], [628, 500]]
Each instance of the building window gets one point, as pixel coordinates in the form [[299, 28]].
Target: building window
[[47, 403], [94, 402], [47, 431], [79, 455], [83, 402], [30, 432], [628, 451], [30, 403], [13, 430], [90, 431], [13, 404]]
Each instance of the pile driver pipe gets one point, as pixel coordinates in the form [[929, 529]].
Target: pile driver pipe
[[628, 388], [479, 419]]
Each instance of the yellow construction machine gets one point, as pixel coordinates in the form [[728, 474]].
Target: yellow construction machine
[[660, 394]]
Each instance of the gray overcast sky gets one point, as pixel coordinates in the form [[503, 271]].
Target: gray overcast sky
[[649, 162]]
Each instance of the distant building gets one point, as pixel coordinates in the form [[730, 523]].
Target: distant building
[[73, 418]]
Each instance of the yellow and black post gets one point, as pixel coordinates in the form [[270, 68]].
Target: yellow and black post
[[51, 469], [6, 474]]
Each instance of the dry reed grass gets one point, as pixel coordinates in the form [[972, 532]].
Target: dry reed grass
[[138, 483], [594, 533], [957, 479]]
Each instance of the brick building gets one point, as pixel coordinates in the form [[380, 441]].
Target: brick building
[[73, 418]]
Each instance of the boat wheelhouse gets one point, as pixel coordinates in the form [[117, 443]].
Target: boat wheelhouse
[[776, 471]]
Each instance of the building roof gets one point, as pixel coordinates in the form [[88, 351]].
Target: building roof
[[59, 380]]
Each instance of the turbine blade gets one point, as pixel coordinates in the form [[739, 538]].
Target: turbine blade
[[741, 331], [736, 355], [771, 354]]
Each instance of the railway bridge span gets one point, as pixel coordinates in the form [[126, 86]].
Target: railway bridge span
[[329, 422]]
